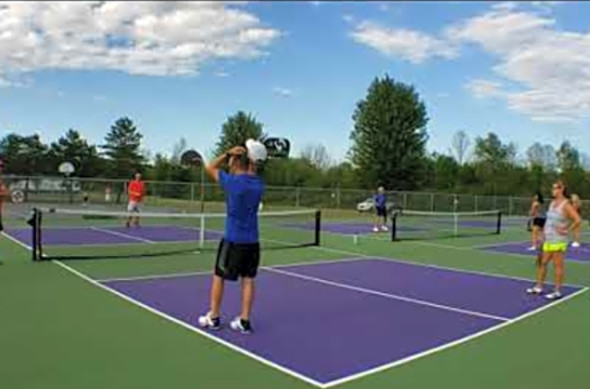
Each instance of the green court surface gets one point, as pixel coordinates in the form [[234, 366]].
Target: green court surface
[[59, 331]]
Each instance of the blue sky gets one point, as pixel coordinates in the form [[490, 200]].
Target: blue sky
[[519, 69]]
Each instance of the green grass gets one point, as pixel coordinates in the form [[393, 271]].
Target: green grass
[[59, 331]]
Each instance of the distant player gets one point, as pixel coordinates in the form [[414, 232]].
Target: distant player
[[239, 250], [380, 200], [561, 217], [577, 204], [136, 193], [538, 217]]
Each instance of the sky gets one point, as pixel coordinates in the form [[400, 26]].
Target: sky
[[520, 69]]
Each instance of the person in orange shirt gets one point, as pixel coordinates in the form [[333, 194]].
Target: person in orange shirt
[[136, 192]]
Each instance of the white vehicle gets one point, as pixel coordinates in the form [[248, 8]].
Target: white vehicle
[[366, 205]]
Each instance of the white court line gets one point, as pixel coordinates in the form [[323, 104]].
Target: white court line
[[408, 262], [14, 240], [351, 377], [190, 327], [390, 295], [451, 344], [303, 377], [200, 273], [121, 234]]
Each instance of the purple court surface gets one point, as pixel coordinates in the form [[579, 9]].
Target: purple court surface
[[581, 253], [346, 228], [112, 235], [330, 322]]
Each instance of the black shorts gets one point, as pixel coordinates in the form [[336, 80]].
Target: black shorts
[[539, 222], [1, 225], [236, 260], [381, 211]]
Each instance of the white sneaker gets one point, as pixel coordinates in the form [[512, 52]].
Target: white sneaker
[[576, 244], [532, 248], [206, 321], [553, 296], [384, 228], [534, 290], [375, 229], [240, 325]]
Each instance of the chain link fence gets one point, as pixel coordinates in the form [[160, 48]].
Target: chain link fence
[[194, 197]]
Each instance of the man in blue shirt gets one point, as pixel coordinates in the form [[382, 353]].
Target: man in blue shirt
[[381, 210], [239, 250]]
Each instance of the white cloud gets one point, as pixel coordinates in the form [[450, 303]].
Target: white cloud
[[550, 68], [547, 68], [221, 73], [413, 46], [348, 18], [150, 38], [99, 98], [283, 92], [485, 88]]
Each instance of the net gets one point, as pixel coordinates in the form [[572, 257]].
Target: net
[[84, 234], [418, 225]]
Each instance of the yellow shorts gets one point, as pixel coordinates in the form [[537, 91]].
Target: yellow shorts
[[554, 247]]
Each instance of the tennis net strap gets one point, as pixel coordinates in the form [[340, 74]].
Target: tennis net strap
[[409, 224], [82, 233]]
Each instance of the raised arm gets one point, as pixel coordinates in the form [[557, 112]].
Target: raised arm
[[213, 167]]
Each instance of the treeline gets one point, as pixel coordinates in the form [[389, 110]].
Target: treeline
[[388, 148]]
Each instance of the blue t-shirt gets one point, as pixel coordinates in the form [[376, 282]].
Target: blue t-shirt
[[243, 193], [380, 200]]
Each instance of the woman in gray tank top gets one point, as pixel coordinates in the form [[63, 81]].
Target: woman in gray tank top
[[561, 219]]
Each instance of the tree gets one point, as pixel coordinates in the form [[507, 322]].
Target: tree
[[540, 155], [568, 157], [492, 151], [123, 149], [446, 172], [72, 147], [237, 130], [389, 136], [460, 146], [26, 155], [178, 149], [317, 155]]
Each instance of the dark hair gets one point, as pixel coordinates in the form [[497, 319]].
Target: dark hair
[[539, 196]]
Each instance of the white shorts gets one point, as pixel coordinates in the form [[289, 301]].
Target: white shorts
[[133, 206]]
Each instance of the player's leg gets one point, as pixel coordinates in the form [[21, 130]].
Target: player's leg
[[225, 269], [542, 260], [248, 291], [130, 208], [576, 242], [558, 262], [249, 263]]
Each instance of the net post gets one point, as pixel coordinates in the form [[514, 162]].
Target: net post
[[394, 226], [202, 232], [34, 231], [318, 227], [456, 223], [499, 224]]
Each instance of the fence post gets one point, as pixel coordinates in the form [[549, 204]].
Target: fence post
[[192, 192], [432, 202], [338, 197], [405, 197], [298, 196], [510, 206], [475, 203]]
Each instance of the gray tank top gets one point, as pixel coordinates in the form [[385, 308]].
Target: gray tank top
[[555, 218]]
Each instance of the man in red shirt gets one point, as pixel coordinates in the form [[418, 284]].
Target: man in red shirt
[[136, 192]]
